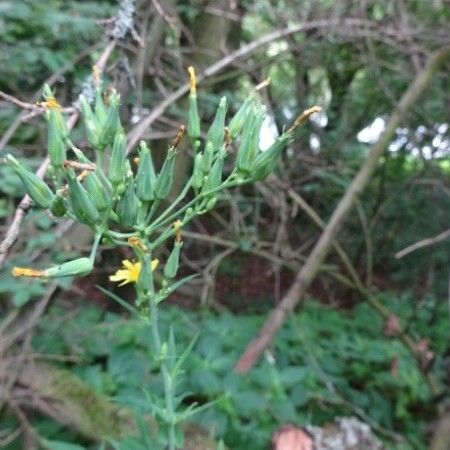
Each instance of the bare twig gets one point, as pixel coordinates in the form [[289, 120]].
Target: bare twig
[[77, 165], [13, 230], [423, 243], [137, 132], [27, 323], [20, 103], [374, 302], [34, 108], [50, 81], [307, 273]]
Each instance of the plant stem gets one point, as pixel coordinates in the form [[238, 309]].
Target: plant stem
[[97, 239], [167, 379], [169, 394], [161, 220], [154, 324]]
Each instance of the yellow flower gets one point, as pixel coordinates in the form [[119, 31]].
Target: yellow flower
[[130, 272], [51, 103]]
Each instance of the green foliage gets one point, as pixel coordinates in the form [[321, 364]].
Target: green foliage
[[32, 49], [324, 364]]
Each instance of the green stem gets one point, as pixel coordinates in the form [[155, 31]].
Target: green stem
[[167, 380], [154, 324], [158, 223], [97, 239], [161, 218], [169, 394], [152, 212], [118, 235]]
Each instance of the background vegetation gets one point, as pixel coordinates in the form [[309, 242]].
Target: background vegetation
[[336, 356]]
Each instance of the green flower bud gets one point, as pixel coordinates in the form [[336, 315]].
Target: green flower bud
[[56, 146], [82, 205], [193, 118], [243, 115], [189, 213], [145, 280], [99, 108], [250, 141], [165, 176], [53, 105], [128, 206], [197, 173], [111, 124], [39, 192], [58, 207], [90, 122], [118, 158], [80, 266], [215, 175], [217, 129], [208, 157], [145, 177], [61, 124], [193, 127], [97, 191], [47, 92], [171, 267], [266, 161], [244, 157], [211, 203]]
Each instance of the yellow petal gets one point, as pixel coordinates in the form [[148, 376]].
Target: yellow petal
[[27, 272], [118, 276], [127, 263], [154, 264]]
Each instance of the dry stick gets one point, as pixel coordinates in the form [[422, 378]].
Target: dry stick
[[404, 337], [138, 131], [423, 243], [135, 134], [309, 270], [13, 230], [50, 81], [33, 107]]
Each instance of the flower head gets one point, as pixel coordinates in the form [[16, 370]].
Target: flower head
[[130, 272], [50, 103]]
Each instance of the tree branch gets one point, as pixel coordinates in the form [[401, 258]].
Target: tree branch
[[423, 243], [321, 249], [13, 230], [339, 25]]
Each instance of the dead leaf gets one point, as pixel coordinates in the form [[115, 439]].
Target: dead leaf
[[290, 437]]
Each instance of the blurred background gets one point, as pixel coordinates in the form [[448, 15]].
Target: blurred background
[[337, 355]]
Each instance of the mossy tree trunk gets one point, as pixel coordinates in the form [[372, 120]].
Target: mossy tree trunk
[[71, 402]]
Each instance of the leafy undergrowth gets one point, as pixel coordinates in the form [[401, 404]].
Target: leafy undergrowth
[[325, 363]]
